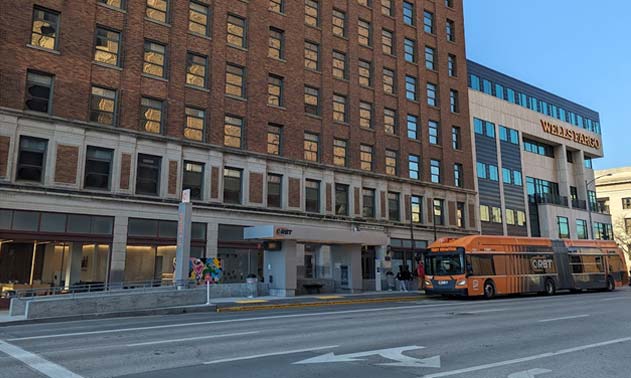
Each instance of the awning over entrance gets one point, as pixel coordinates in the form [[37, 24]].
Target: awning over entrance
[[317, 235]]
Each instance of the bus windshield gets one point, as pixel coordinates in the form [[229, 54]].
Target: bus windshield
[[444, 264]]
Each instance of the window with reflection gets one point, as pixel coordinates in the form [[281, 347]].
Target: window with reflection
[[414, 167], [340, 152], [193, 178], [390, 121], [416, 203], [120, 4], [154, 59], [435, 171], [235, 81], [274, 139], [195, 124], [410, 88], [365, 114], [339, 108], [428, 22], [44, 32], [276, 43], [408, 13], [312, 100], [151, 115], [39, 89], [432, 94], [275, 90], [107, 48], [412, 126], [311, 147], [389, 81], [312, 55], [339, 65], [158, 10], [233, 131], [391, 163], [387, 8], [339, 23], [394, 206], [196, 70], [365, 157], [98, 168], [430, 63], [236, 31], [387, 42], [368, 203], [198, 16], [232, 185], [31, 159], [365, 73], [312, 13], [103, 106], [341, 199], [452, 68], [274, 190], [364, 33], [277, 6], [409, 50]]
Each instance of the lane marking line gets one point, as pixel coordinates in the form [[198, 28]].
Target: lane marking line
[[270, 354], [36, 362], [330, 297], [192, 339], [563, 318], [525, 359]]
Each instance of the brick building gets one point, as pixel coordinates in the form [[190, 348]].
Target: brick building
[[335, 115]]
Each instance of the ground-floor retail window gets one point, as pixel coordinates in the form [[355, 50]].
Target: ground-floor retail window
[[151, 264], [238, 263], [368, 263]]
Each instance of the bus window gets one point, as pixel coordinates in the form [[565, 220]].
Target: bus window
[[576, 264], [592, 264], [482, 265], [444, 264]]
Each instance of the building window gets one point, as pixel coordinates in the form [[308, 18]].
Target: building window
[[151, 115], [45, 28], [474, 82], [627, 226], [107, 49], [428, 22], [341, 199], [236, 29], [387, 8], [389, 81], [390, 121], [538, 148], [449, 3], [276, 48], [486, 87], [364, 33], [391, 163], [458, 179], [312, 147], [410, 88], [368, 203], [274, 190], [430, 58], [451, 31], [275, 90], [432, 94], [148, 174], [581, 229], [312, 196], [277, 6], [452, 68], [493, 173], [387, 42], [408, 13], [233, 131], [31, 159], [98, 168], [39, 91], [158, 10], [196, 70], [155, 59], [499, 91], [365, 157], [412, 122], [564, 228], [339, 108], [340, 152], [454, 106], [312, 100], [439, 213], [626, 203], [365, 73], [394, 207], [339, 65], [414, 167], [485, 215], [274, 139], [507, 176], [365, 114], [312, 56], [456, 142], [339, 23], [195, 124], [409, 50], [435, 171], [481, 170], [232, 185], [366, 3], [496, 215], [588, 162], [235, 81], [193, 178], [312, 13], [103, 106], [433, 131], [460, 215], [198, 18]]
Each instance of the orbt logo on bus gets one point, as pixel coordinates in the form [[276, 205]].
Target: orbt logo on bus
[[541, 264]]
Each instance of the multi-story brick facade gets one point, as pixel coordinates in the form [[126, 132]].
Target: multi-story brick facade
[[130, 102]]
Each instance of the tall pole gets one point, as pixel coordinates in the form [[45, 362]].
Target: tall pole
[[434, 218], [412, 226]]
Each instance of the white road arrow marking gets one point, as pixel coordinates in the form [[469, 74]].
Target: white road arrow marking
[[394, 354], [529, 373]]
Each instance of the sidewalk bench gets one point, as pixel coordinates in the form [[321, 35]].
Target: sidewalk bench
[[313, 288]]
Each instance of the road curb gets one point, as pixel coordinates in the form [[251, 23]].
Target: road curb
[[280, 306]]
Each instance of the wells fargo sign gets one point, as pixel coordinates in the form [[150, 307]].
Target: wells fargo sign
[[570, 134]]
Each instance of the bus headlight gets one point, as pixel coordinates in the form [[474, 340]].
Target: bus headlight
[[461, 283], [428, 283]]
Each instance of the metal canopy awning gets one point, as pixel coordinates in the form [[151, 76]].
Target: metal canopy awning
[[317, 235]]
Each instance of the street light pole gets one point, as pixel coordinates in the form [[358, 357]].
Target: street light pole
[[589, 205]]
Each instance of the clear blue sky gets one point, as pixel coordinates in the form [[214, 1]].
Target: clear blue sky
[[577, 49]]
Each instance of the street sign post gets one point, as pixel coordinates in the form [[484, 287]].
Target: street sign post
[[183, 250]]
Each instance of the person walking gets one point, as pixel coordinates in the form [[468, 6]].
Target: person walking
[[420, 273], [402, 279]]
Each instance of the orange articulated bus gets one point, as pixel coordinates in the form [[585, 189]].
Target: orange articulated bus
[[498, 265]]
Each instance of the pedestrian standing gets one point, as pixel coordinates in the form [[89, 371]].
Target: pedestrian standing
[[420, 273], [402, 279]]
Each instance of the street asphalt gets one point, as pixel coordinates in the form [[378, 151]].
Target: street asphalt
[[568, 335]]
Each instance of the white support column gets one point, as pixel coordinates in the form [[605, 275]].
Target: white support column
[[119, 250], [280, 270], [73, 269], [212, 238]]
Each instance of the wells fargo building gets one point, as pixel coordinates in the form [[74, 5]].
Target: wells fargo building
[[329, 116]]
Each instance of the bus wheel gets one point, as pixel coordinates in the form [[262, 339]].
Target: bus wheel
[[611, 285], [489, 289], [550, 287]]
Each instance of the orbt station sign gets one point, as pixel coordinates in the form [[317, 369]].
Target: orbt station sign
[[570, 134]]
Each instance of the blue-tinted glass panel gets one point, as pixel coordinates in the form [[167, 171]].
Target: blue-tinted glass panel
[[478, 126], [486, 87], [499, 91], [481, 168], [503, 133], [514, 136], [510, 96], [490, 130], [475, 82]]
